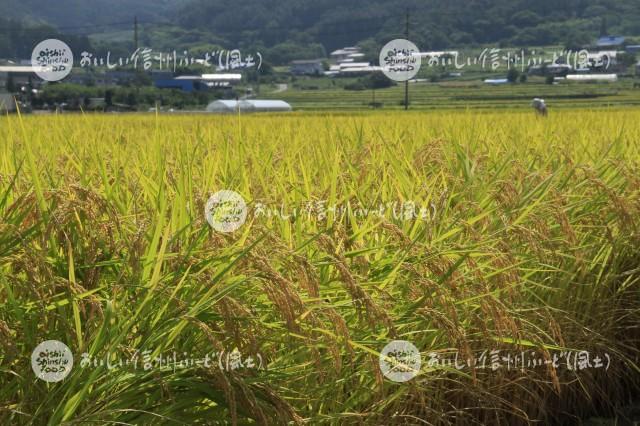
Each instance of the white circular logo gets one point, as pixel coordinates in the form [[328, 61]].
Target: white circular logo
[[51, 361], [226, 211], [400, 60], [400, 361], [52, 59]]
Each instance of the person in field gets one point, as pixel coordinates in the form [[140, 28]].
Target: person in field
[[540, 106]]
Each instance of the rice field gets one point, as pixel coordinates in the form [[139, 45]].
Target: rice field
[[312, 95], [480, 238]]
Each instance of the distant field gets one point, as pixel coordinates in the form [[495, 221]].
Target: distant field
[[523, 238], [463, 94]]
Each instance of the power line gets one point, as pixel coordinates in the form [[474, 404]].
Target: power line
[[135, 32], [406, 83]]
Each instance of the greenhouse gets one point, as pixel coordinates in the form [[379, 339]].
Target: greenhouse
[[250, 105]]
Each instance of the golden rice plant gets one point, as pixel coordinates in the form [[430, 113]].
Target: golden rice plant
[[525, 239]]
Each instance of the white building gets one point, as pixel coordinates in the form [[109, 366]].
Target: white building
[[307, 67], [229, 77], [6, 103], [220, 80], [354, 68], [345, 53], [593, 77], [20, 74]]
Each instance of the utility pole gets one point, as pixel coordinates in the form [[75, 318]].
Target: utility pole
[[135, 33], [406, 83]]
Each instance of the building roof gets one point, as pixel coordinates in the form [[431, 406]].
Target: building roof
[[610, 41], [345, 51], [360, 69], [211, 77], [20, 68], [222, 77], [354, 65]]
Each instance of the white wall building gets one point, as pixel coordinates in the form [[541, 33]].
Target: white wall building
[[593, 77], [7, 103]]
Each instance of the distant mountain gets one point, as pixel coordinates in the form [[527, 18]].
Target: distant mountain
[[86, 16], [434, 24], [304, 29]]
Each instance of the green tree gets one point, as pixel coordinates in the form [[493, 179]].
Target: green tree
[[512, 75], [604, 30], [627, 59], [108, 98], [377, 80], [132, 99]]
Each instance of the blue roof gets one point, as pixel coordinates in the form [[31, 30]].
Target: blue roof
[[184, 85], [610, 41]]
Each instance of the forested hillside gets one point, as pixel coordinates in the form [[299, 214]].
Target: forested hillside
[[433, 23], [288, 29], [87, 15]]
